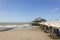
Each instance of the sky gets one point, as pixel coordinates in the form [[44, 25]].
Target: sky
[[28, 10]]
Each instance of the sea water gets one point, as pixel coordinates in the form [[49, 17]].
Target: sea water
[[18, 27]]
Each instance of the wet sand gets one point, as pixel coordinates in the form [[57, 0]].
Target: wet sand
[[24, 35]]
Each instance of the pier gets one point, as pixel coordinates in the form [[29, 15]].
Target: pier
[[51, 27]]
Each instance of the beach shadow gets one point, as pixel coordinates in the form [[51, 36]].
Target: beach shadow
[[55, 38], [6, 29]]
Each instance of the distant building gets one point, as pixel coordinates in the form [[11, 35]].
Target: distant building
[[37, 20], [40, 20]]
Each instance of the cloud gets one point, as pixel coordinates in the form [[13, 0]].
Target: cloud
[[55, 9]]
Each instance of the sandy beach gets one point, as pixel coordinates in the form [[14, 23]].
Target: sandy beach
[[24, 35]]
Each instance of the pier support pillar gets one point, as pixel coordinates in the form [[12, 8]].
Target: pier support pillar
[[52, 34]]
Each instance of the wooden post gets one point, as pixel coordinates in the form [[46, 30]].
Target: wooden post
[[40, 26], [44, 28], [58, 34], [50, 30], [52, 35]]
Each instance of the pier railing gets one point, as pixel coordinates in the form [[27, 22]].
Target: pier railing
[[53, 27]]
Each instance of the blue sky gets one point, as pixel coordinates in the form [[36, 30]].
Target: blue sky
[[27, 10]]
